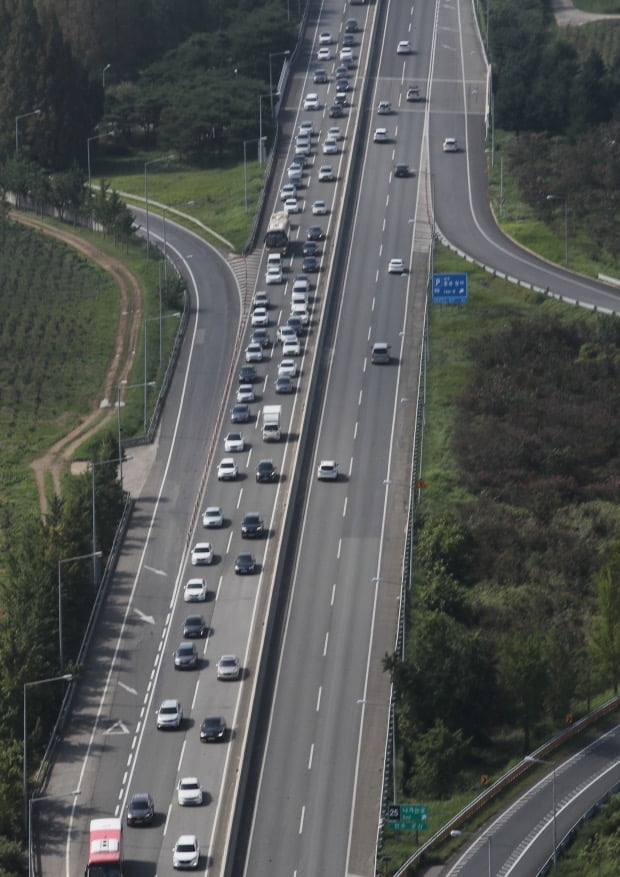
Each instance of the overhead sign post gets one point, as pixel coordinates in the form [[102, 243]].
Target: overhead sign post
[[408, 817], [450, 289]]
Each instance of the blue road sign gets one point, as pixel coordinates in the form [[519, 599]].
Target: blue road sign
[[449, 289]]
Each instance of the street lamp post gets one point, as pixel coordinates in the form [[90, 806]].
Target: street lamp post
[[67, 677], [261, 139], [286, 53], [146, 194], [17, 121], [565, 200], [32, 801], [176, 314], [103, 73], [245, 166], [88, 142], [487, 837], [60, 563], [96, 554], [551, 764], [118, 417]]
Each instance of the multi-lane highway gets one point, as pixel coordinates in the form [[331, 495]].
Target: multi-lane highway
[[313, 794]]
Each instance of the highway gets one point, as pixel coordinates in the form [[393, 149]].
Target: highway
[[316, 790]]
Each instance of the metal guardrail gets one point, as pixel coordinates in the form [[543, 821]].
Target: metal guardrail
[[506, 780]]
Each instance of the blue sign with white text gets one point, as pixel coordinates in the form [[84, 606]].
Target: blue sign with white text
[[449, 289]]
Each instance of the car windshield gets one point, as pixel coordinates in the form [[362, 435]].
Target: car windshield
[[168, 710], [186, 848]]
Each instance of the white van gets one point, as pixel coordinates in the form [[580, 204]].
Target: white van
[[299, 298]]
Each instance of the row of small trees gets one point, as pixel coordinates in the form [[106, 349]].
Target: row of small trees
[[515, 612], [29, 623]]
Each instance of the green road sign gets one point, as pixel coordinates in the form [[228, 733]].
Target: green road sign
[[408, 817]]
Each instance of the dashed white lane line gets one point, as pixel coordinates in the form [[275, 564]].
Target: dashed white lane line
[[318, 698], [333, 595], [326, 641], [311, 756], [344, 507], [301, 819]]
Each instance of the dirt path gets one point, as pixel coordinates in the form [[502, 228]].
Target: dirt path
[[51, 465]]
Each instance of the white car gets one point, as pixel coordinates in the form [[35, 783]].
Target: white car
[[287, 367], [325, 38], [195, 591], [288, 190], [450, 145], [245, 393], [327, 471], [291, 205], [300, 311], [334, 133], [260, 300], [202, 554], [253, 353], [396, 266], [273, 275], [413, 93], [319, 208], [291, 347], [403, 48], [169, 714], [213, 517], [346, 54], [324, 54], [189, 792], [326, 174], [285, 333], [259, 317], [234, 441], [307, 128], [311, 101], [330, 146], [384, 108], [228, 667], [186, 852], [380, 135], [301, 284], [227, 470], [294, 173], [304, 147]]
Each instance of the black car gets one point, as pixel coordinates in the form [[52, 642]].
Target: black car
[[310, 248], [315, 233], [266, 471], [320, 77], [245, 564], [261, 336], [341, 99], [336, 112], [194, 625], [185, 656], [350, 25], [252, 526], [348, 39], [341, 71], [343, 84], [247, 374], [296, 325], [240, 413], [141, 810], [310, 264], [401, 170], [212, 728]]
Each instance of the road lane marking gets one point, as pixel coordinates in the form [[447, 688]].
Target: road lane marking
[[195, 696], [325, 644], [339, 548], [158, 572], [331, 602], [143, 616], [180, 761], [350, 466], [311, 756], [127, 688], [372, 307], [301, 819], [356, 422], [359, 398], [230, 536], [344, 508], [318, 698], [239, 498]]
